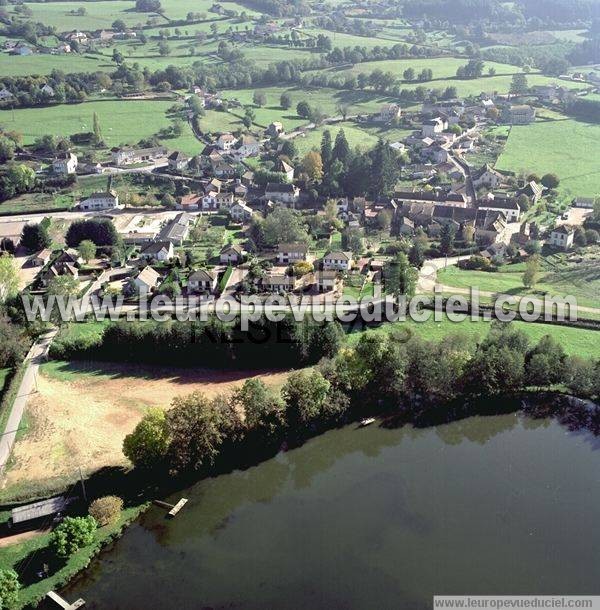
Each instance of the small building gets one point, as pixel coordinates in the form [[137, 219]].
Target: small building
[[178, 161], [279, 282], [146, 280], [274, 129], [434, 126], [202, 280], [126, 156], [5, 94], [283, 167], [486, 176], [190, 202], [561, 237], [241, 212], [41, 258], [247, 146], [65, 163], [584, 202], [532, 190], [327, 280], [519, 114], [508, 205], [38, 510], [47, 90], [406, 226], [278, 192], [389, 112], [226, 141], [291, 253], [100, 201], [337, 261], [224, 199], [231, 254], [176, 231], [159, 250]]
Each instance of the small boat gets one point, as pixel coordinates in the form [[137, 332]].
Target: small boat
[[367, 421]]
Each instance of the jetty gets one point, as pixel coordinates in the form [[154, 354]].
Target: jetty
[[172, 508], [63, 603]]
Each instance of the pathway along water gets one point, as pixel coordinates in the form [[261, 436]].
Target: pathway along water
[[373, 518]]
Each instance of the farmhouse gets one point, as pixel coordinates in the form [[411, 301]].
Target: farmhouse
[[327, 280], [291, 253], [282, 193], [561, 237], [337, 261], [158, 250], [178, 161], [146, 280], [65, 163], [247, 146], [231, 253], [124, 156], [241, 212], [507, 205], [521, 114], [279, 282], [486, 176], [202, 280], [226, 141], [100, 201]]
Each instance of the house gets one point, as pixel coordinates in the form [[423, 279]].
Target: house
[[283, 167], [278, 192], [41, 258], [508, 205], [146, 280], [241, 212], [436, 153], [224, 199], [226, 141], [76, 36], [231, 253], [406, 226], [190, 202], [533, 190], [100, 201], [177, 230], [434, 126], [209, 200], [5, 94], [47, 90], [222, 169], [279, 282], [58, 269], [22, 50], [159, 250], [178, 161], [202, 280], [247, 146], [583, 202], [327, 280], [520, 114], [486, 176], [490, 227], [70, 256], [125, 156], [337, 261], [561, 237], [65, 163], [291, 253], [274, 129], [389, 112]]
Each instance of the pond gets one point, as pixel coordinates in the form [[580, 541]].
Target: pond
[[372, 518]]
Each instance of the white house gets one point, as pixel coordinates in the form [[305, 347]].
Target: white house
[[291, 253], [47, 90], [279, 282], [337, 261], [561, 237], [226, 141], [202, 280], [327, 280], [241, 212], [434, 126], [283, 167], [508, 205], [100, 201], [158, 250], [231, 253], [247, 146], [282, 193], [487, 176], [65, 163], [146, 280], [178, 161]]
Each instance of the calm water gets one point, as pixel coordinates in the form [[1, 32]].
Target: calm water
[[373, 518]]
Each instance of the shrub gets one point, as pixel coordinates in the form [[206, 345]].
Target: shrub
[[106, 510], [72, 534], [9, 589], [147, 445]]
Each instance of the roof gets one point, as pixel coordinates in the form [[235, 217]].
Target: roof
[[191, 199], [232, 247], [501, 204], [178, 156], [148, 276], [202, 275], [227, 136], [338, 255], [38, 509], [45, 253], [295, 247], [279, 187], [484, 169], [247, 139], [565, 229], [327, 274], [156, 247]]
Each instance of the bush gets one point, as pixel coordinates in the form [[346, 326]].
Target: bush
[[9, 589], [147, 445], [106, 510], [72, 534]]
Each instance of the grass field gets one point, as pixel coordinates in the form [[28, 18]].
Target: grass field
[[43, 64], [122, 121], [567, 147]]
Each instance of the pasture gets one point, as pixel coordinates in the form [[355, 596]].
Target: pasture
[[567, 147]]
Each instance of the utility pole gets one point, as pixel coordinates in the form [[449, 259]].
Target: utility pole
[[82, 485]]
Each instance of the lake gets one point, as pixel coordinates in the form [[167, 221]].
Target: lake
[[372, 518]]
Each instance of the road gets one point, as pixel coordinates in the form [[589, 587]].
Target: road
[[37, 354]]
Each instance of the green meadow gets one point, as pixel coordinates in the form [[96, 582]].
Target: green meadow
[[567, 147]]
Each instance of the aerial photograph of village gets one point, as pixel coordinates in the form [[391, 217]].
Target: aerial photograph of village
[[299, 304]]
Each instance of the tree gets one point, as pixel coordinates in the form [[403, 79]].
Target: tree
[[326, 150], [341, 150], [97, 130], [303, 110], [399, 277], [148, 444], [21, 177], [35, 237], [118, 25], [249, 117], [383, 169], [545, 363], [283, 225], [197, 426], [106, 510], [101, 231], [550, 181], [148, 6], [259, 98], [519, 84], [7, 149], [63, 285], [264, 411], [72, 534], [9, 278], [87, 250], [285, 100], [305, 397], [313, 165], [117, 56], [409, 74], [9, 589], [532, 271], [352, 239], [163, 48], [416, 256], [447, 235]]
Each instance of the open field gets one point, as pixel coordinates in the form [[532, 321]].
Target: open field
[[42, 64], [66, 431], [122, 121], [567, 147]]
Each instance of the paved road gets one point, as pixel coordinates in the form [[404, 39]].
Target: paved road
[[37, 354]]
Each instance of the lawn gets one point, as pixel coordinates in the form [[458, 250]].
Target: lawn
[[567, 147], [121, 121], [576, 341], [354, 134], [42, 64], [581, 280]]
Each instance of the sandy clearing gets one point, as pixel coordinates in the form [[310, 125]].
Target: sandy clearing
[[82, 422]]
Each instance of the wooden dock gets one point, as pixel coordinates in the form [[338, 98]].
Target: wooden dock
[[172, 508], [63, 603]]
